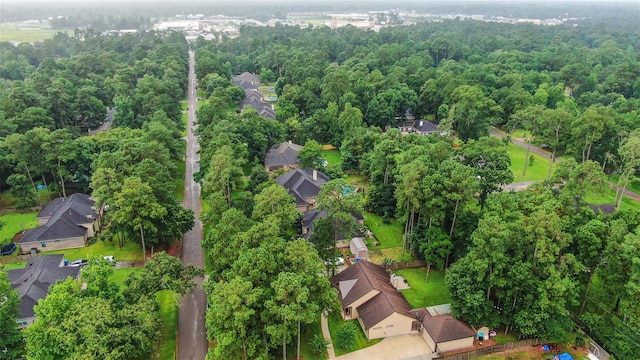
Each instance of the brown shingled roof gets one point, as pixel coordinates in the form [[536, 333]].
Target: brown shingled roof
[[443, 328], [363, 277]]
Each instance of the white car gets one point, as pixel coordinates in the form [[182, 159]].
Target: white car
[[110, 258]]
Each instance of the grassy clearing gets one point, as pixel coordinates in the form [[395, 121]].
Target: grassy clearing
[[422, 294], [634, 185], [389, 235], [332, 156], [166, 345], [29, 36], [14, 223], [308, 331], [359, 180], [120, 275], [335, 321], [608, 198], [130, 251], [536, 171], [395, 254]]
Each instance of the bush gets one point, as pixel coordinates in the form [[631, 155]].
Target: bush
[[346, 336], [318, 344]]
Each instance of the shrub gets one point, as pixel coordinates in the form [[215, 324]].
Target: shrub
[[346, 336], [318, 344]]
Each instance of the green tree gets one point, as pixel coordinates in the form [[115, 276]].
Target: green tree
[[630, 154], [311, 155], [136, 205], [490, 163], [471, 112], [590, 127], [11, 338]]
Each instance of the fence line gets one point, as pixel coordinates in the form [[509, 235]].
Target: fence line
[[407, 264], [598, 351], [471, 354]]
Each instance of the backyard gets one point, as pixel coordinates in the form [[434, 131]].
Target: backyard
[[389, 237], [424, 293], [13, 223], [333, 157]]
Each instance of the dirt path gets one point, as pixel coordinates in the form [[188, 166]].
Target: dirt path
[[192, 336]]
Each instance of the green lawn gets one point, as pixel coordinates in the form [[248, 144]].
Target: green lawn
[[389, 235], [308, 331], [634, 185], [332, 156], [14, 223], [16, 265], [335, 321], [536, 171], [30, 36], [166, 345], [359, 180], [608, 198], [422, 294], [120, 275], [130, 251]]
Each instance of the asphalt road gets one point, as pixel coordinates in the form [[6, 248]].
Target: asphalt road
[[192, 335]]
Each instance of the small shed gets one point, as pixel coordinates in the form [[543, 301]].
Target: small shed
[[482, 333], [359, 248]]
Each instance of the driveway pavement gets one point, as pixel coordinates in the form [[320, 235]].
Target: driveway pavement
[[401, 347]]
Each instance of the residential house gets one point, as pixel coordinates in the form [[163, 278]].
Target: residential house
[[33, 282], [282, 156], [246, 80], [442, 331], [420, 127], [354, 241], [304, 184], [253, 97], [366, 295], [65, 223]]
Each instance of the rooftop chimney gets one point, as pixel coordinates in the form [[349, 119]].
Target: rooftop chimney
[[315, 175]]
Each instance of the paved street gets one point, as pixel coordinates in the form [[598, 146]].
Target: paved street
[[192, 336]]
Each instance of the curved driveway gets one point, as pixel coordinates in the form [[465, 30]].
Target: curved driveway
[[192, 336]]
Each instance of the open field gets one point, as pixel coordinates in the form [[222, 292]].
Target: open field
[[27, 35], [422, 294], [536, 171], [13, 223]]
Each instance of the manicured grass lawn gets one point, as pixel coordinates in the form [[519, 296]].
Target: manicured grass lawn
[[503, 339], [332, 156], [536, 171], [389, 235], [335, 321], [17, 265], [120, 275], [608, 198], [422, 294], [130, 251], [166, 345], [30, 36], [394, 253], [14, 223], [634, 185]]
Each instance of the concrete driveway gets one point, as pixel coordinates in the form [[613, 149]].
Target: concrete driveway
[[401, 347]]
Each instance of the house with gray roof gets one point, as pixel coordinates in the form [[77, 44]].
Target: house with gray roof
[[365, 293], [304, 185], [33, 282], [282, 156], [65, 223]]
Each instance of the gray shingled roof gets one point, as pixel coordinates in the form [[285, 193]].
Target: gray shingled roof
[[363, 277], [285, 153], [300, 184], [66, 217], [33, 281], [246, 77], [425, 126], [310, 216]]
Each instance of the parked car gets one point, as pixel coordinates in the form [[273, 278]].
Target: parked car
[[79, 262], [8, 249], [336, 262], [110, 258]]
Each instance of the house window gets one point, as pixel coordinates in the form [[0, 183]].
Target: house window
[[377, 328], [21, 322], [389, 326], [43, 244]]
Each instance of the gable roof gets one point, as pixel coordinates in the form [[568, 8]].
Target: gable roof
[[285, 153], [606, 209], [301, 185], [443, 328], [425, 126], [66, 217], [360, 279], [246, 77], [310, 216], [33, 281]]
